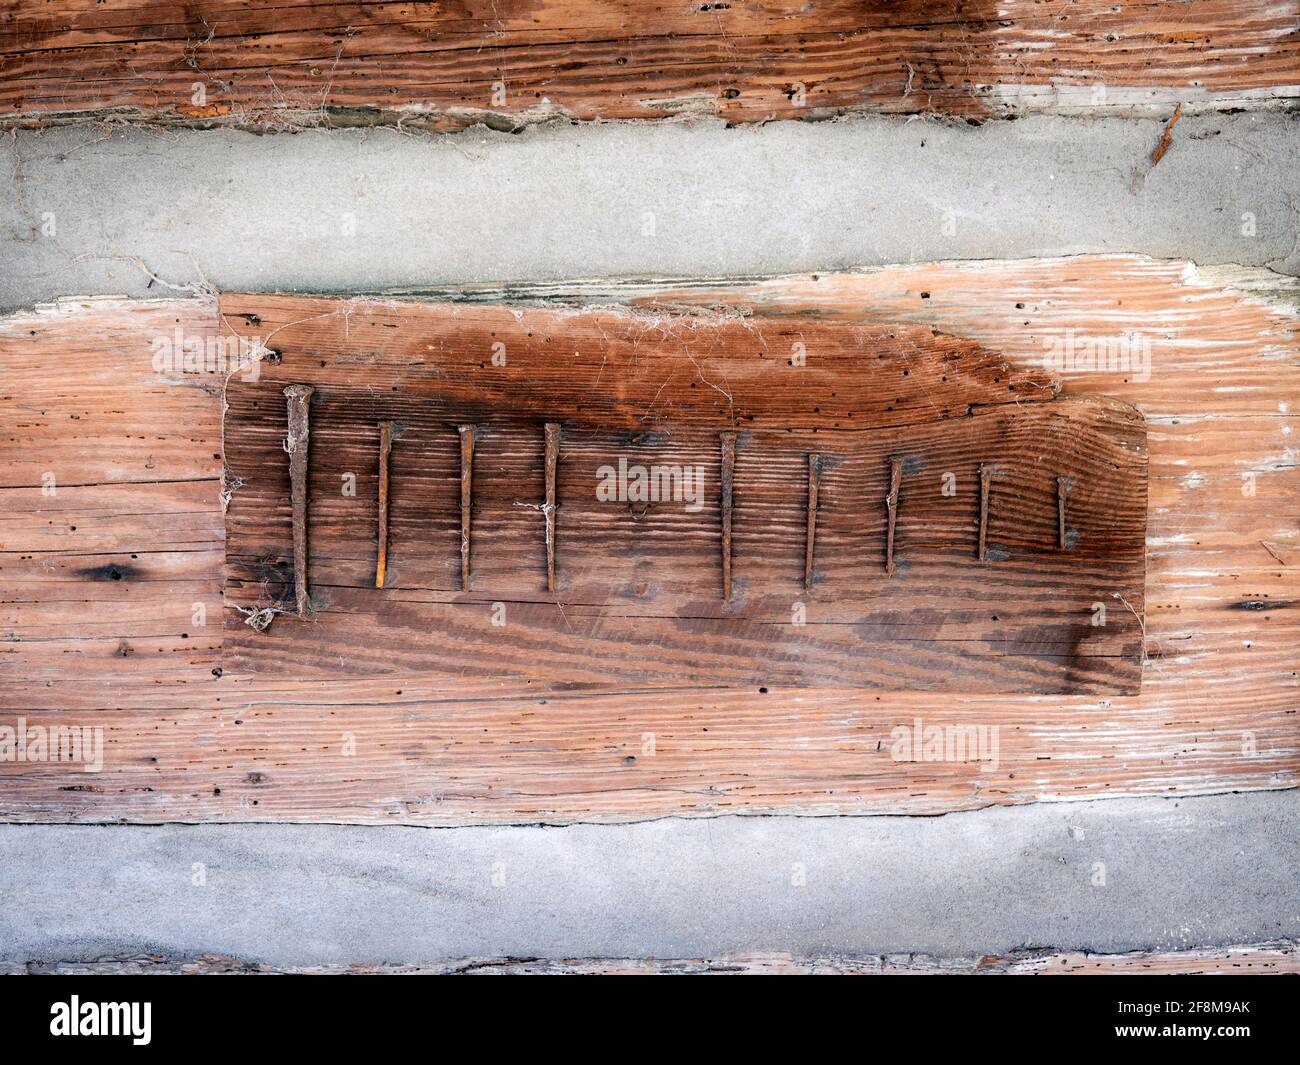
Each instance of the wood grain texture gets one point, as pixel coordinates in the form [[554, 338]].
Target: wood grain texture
[[510, 62], [902, 415], [138, 455], [1275, 958]]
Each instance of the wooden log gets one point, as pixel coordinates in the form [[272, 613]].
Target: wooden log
[[509, 62], [136, 457], [296, 444]]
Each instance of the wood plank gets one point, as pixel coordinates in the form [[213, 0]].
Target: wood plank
[[508, 63], [1262, 958], [1218, 705], [646, 594]]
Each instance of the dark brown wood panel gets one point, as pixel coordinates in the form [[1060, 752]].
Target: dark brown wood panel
[[510, 61], [968, 522]]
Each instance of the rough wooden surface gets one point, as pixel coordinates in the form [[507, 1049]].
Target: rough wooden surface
[[507, 62], [1259, 959], [645, 595], [100, 585]]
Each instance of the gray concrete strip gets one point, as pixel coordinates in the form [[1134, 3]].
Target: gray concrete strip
[[1108, 876], [371, 210]]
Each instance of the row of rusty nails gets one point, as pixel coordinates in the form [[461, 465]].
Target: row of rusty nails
[[296, 445], [387, 430]]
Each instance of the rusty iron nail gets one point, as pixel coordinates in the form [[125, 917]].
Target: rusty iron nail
[[299, 397], [891, 509], [728, 476], [986, 477], [385, 448], [1062, 498], [553, 434], [466, 496]]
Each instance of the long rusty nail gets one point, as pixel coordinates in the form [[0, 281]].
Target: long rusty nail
[[728, 476], [814, 483], [296, 445], [466, 497], [1062, 497], [986, 477], [553, 433], [891, 508], [385, 447]]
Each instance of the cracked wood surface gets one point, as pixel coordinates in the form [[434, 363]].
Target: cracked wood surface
[[103, 582], [508, 62]]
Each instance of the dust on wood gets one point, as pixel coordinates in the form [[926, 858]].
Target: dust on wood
[[512, 62]]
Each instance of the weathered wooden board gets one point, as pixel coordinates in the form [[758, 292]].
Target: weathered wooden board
[[101, 585], [508, 62], [968, 521]]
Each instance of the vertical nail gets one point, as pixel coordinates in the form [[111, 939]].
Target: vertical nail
[[814, 483], [385, 447], [1062, 496], [891, 508], [728, 475], [553, 433], [466, 496], [986, 476], [295, 444]]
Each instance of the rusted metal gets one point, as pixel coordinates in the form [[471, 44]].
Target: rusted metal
[[466, 498], [986, 478], [299, 397], [728, 441], [553, 434], [891, 508], [814, 484], [385, 448]]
